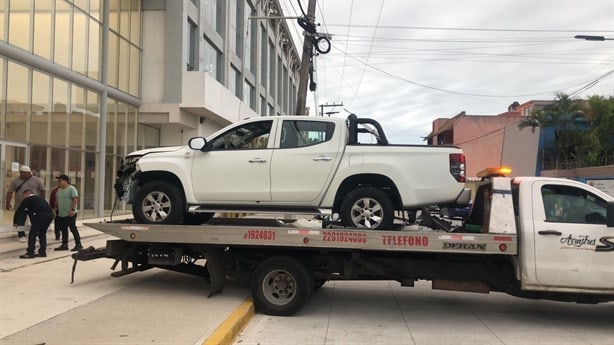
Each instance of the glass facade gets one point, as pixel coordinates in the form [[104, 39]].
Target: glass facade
[[57, 118]]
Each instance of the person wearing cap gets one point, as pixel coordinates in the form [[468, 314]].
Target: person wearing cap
[[67, 200], [26, 181], [40, 214]]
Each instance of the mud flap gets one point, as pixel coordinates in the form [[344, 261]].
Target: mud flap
[[216, 268]]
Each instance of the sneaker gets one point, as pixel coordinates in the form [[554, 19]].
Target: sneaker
[[22, 239], [41, 255], [62, 247], [26, 256], [77, 248]]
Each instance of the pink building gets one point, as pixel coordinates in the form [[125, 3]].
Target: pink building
[[491, 140]]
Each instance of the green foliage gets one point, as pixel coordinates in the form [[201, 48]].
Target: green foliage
[[584, 131]]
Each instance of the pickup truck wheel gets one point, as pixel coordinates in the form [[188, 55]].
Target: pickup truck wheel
[[158, 202], [197, 218], [280, 286], [367, 208]]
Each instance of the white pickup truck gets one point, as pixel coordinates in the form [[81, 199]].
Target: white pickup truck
[[291, 164]]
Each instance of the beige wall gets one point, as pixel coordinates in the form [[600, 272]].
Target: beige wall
[[520, 150]]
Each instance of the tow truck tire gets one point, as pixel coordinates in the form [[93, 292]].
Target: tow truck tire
[[367, 208], [197, 218], [158, 202], [281, 286]]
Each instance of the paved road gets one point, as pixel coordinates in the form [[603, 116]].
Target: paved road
[[386, 313]]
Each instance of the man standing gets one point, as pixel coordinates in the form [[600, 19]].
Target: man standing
[[40, 214], [26, 181], [53, 204], [67, 200]]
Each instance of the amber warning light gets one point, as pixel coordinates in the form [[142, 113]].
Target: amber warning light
[[495, 172]]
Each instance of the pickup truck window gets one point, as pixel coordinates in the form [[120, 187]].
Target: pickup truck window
[[305, 133], [568, 204], [251, 136]]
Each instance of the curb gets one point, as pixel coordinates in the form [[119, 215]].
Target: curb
[[232, 326]]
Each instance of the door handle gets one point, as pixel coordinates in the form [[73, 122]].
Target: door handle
[[550, 232], [257, 160], [322, 159]]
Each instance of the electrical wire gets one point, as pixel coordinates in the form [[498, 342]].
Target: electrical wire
[[402, 27], [362, 73]]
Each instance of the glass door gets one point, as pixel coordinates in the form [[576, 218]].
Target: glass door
[[12, 156]]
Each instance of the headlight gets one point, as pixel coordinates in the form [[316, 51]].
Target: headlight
[[131, 160]]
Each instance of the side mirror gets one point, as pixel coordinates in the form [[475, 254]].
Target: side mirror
[[610, 214], [197, 143]]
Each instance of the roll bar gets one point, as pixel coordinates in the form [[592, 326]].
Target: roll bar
[[353, 121]]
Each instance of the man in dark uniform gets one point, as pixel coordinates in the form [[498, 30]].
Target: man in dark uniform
[[40, 215]]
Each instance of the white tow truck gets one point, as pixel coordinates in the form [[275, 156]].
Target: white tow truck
[[531, 237]]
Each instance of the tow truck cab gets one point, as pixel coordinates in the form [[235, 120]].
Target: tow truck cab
[[565, 231]]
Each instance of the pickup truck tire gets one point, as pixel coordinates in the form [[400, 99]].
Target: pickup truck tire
[[158, 202], [281, 286], [367, 208]]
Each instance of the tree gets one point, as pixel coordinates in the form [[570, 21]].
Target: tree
[[565, 117]]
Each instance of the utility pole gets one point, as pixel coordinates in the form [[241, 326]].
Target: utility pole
[[301, 98], [322, 106]]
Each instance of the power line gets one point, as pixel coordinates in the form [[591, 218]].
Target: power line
[[362, 74], [381, 71], [402, 27]]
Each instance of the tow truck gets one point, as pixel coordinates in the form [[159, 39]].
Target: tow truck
[[517, 240]]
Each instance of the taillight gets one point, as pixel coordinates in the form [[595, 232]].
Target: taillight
[[457, 166]]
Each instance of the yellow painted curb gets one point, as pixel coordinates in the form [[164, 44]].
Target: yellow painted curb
[[232, 326]]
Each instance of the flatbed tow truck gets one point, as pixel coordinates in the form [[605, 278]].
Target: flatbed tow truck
[[511, 243]]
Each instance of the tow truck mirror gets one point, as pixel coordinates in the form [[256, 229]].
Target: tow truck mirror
[[197, 143], [610, 214]]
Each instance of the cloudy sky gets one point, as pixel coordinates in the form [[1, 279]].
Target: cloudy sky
[[406, 63]]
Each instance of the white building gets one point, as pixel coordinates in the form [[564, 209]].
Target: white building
[[83, 82]]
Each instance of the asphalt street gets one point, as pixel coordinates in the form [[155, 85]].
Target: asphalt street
[[383, 312]]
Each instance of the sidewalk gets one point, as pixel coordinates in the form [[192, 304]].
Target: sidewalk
[[38, 302], [11, 247]]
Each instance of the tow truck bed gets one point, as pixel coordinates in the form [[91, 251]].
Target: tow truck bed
[[291, 237]]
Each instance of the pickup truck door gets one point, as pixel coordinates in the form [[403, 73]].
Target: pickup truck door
[[571, 237], [236, 166], [304, 161]]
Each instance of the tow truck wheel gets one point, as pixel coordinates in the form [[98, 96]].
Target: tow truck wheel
[[367, 208], [280, 286], [158, 202]]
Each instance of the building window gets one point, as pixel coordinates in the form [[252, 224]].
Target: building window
[[192, 46], [249, 95], [214, 14], [211, 59], [271, 87], [235, 82], [264, 62], [251, 42]]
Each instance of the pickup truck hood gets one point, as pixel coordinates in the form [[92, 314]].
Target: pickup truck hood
[[155, 150]]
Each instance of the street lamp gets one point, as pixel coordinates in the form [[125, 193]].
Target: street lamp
[[592, 38]]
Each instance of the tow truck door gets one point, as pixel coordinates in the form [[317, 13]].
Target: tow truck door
[[573, 248]]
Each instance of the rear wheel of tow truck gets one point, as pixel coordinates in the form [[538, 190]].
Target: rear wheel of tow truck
[[197, 218], [159, 202], [280, 286], [367, 208]]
